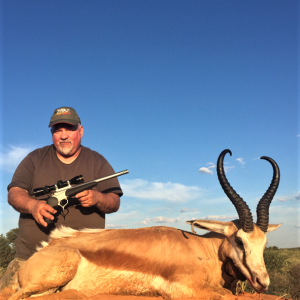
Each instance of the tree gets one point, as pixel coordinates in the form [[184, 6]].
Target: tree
[[7, 248]]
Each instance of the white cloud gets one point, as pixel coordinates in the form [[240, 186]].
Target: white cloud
[[207, 170], [11, 157], [175, 192], [297, 226], [185, 209], [160, 220], [228, 168], [298, 135], [288, 198], [233, 217], [283, 199], [113, 226], [241, 161], [146, 221], [211, 165], [122, 218]]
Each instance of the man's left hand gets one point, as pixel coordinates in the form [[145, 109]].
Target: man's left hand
[[106, 203], [88, 198]]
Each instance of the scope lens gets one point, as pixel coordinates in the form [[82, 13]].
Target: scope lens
[[38, 192], [61, 184], [76, 180], [48, 189]]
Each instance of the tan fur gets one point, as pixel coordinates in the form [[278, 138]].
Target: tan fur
[[147, 261]]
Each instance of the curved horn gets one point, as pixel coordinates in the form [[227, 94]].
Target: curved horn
[[240, 205], [262, 208]]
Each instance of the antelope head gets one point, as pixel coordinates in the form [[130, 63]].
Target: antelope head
[[242, 250]]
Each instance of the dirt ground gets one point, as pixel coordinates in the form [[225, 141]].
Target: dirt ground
[[73, 294]]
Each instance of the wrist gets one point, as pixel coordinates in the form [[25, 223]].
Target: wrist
[[31, 205]]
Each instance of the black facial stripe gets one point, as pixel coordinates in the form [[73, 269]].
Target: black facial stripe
[[239, 243]]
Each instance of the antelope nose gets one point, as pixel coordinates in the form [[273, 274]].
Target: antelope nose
[[263, 283]]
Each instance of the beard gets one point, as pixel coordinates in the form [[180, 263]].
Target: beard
[[65, 148]]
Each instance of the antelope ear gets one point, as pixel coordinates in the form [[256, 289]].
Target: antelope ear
[[272, 227], [225, 228]]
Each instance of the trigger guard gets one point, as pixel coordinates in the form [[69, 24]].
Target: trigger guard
[[63, 206]]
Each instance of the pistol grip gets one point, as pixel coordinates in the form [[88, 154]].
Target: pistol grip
[[52, 201], [48, 221]]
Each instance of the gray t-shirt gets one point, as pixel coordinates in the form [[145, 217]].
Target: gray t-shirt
[[42, 167]]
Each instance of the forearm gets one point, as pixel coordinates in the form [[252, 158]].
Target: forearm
[[108, 203], [20, 200]]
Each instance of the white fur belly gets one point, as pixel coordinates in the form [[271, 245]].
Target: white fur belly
[[91, 280]]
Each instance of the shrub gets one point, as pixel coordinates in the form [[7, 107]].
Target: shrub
[[274, 260], [294, 275], [279, 284], [7, 249], [2, 271], [248, 288]]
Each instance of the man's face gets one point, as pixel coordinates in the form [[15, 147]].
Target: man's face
[[67, 138]]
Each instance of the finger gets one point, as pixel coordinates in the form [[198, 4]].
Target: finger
[[44, 215], [83, 203], [81, 194], [84, 199], [43, 222], [50, 209], [39, 218], [45, 207], [47, 215], [86, 202]]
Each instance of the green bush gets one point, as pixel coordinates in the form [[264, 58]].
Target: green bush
[[294, 275], [7, 249], [274, 259], [279, 284], [248, 287]]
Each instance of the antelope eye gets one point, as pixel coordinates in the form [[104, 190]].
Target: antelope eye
[[239, 243]]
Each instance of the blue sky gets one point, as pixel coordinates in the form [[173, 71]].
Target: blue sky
[[161, 87]]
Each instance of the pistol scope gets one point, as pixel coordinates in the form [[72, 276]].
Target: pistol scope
[[60, 184]]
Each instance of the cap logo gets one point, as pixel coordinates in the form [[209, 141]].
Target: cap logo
[[62, 111]]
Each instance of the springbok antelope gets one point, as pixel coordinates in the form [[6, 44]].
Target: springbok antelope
[[157, 260]]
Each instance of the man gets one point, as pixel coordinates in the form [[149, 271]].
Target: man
[[63, 160]]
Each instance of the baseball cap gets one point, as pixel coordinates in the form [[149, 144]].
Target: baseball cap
[[64, 115]]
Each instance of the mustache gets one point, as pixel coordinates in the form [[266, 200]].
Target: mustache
[[66, 141]]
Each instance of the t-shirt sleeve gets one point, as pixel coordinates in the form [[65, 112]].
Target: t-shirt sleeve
[[23, 175], [111, 185]]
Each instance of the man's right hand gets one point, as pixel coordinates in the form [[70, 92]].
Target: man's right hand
[[20, 200], [41, 210]]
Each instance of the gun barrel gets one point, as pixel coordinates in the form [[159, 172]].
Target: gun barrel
[[88, 185], [112, 176]]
